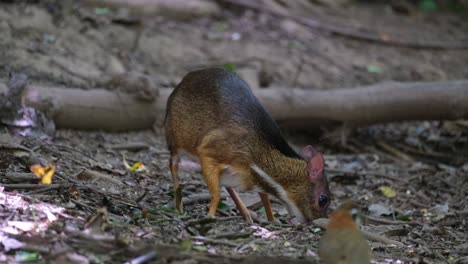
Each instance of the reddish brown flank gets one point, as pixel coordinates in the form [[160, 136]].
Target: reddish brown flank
[[214, 116]]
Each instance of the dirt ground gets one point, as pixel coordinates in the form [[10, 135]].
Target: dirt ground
[[425, 163]]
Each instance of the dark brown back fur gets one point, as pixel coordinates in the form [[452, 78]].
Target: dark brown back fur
[[215, 109], [215, 99]]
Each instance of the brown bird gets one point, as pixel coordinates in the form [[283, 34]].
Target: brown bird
[[343, 242]]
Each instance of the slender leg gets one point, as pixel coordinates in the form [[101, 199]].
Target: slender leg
[[266, 202], [174, 164], [240, 205], [211, 173]]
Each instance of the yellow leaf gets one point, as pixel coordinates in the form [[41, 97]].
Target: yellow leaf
[[44, 173], [388, 191], [136, 166]]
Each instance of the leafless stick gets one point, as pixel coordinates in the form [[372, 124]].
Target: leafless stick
[[131, 146], [214, 241], [144, 258], [202, 221], [199, 197], [47, 188], [20, 176], [389, 222], [232, 235], [28, 186], [357, 33], [323, 223]]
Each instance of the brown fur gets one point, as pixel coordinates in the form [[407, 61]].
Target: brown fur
[[202, 121]]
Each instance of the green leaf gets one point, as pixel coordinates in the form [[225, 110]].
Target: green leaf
[[117, 223], [224, 206], [316, 230], [185, 245], [373, 69], [221, 27], [295, 45], [404, 218], [262, 210], [200, 248], [230, 67], [428, 5], [25, 256], [102, 11], [388, 191]]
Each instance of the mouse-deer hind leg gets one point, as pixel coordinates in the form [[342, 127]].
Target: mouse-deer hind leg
[[240, 205], [174, 164], [266, 203], [211, 173]]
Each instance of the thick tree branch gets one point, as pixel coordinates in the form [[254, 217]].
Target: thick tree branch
[[380, 103]]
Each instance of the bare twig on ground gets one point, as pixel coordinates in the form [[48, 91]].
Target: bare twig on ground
[[48, 188], [20, 176], [357, 33], [375, 173], [214, 241], [396, 152], [232, 235], [144, 258], [202, 221], [323, 223], [130, 146], [389, 222], [199, 197], [95, 175], [29, 186]]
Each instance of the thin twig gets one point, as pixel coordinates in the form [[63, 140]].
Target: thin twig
[[396, 152], [232, 235], [202, 221], [323, 223], [28, 186], [214, 241], [144, 258], [199, 197], [389, 222], [357, 33], [378, 174], [131, 146], [48, 188]]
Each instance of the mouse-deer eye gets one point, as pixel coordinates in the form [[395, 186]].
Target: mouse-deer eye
[[323, 200]]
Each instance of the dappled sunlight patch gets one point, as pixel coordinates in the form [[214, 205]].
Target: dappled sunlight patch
[[264, 233], [22, 217]]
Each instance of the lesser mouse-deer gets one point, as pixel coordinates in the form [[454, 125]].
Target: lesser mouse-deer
[[214, 116]]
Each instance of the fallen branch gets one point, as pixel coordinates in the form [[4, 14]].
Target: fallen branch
[[298, 108], [199, 197], [87, 174], [29, 186], [20, 176], [323, 223], [390, 222], [357, 33], [182, 9]]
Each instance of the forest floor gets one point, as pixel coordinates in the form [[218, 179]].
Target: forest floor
[[425, 163]]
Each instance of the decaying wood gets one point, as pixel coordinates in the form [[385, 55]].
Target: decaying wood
[[357, 33], [323, 223], [182, 9], [298, 108]]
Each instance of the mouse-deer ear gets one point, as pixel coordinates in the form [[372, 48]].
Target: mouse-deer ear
[[315, 163], [308, 152]]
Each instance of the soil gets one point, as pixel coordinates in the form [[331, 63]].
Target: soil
[[99, 211]]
